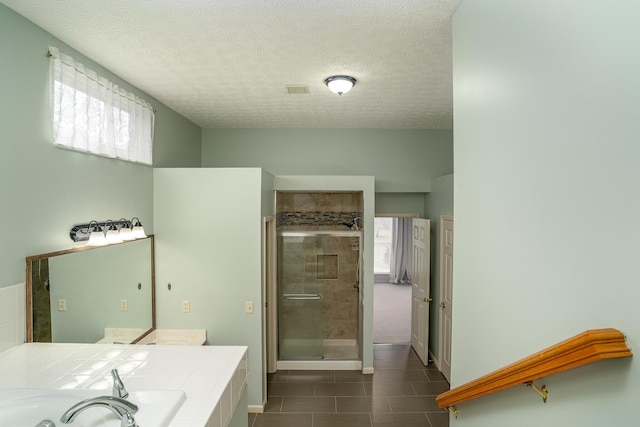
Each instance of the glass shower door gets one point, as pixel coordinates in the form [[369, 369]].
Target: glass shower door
[[300, 323], [301, 336], [318, 290]]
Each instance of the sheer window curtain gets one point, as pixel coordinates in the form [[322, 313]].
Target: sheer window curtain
[[92, 114], [401, 265]]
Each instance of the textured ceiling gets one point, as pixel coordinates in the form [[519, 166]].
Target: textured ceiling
[[225, 63]]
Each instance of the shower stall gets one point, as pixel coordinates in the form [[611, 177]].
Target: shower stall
[[319, 275]]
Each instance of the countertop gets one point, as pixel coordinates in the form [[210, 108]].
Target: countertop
[[213, 377]]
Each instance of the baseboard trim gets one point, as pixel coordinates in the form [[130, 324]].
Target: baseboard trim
[[367, 370], [255, 409]]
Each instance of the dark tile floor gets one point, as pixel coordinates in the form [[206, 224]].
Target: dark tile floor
[[401, 393]]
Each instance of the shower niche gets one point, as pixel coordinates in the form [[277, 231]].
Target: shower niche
[[319, 252]]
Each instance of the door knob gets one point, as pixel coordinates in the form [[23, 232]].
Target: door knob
[[427, 299], [442, 304]]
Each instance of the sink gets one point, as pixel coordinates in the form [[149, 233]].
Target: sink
[[27, 407]]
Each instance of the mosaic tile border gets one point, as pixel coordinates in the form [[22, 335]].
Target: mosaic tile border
[[319, 218]]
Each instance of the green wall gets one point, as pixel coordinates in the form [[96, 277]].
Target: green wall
[[405, 164], [547, 237], [177, 142], [209, 247], [401, 160], [45, 190], [401, 203]]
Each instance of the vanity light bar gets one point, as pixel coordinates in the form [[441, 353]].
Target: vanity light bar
[[81, 232]]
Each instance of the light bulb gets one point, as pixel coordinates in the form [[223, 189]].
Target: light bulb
[[138, 230], [97, 238], [340, 84]]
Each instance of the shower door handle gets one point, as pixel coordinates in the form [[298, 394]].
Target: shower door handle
[[302, 296]]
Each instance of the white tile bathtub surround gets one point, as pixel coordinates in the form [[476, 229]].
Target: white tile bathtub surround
[[213, 377], [12, 316]]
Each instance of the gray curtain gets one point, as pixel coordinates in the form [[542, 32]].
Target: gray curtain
[[401, 251]]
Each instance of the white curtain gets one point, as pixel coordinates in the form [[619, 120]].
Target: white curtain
[[92, 114], [401, 263]]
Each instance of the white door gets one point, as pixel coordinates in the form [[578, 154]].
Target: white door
[[446, 288], [420, 289]]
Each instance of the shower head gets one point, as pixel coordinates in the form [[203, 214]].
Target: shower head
[[353, 224]]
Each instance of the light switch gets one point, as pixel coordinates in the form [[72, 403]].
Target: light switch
[[186, 306], [248, 307], [124, 305], [62, 305]]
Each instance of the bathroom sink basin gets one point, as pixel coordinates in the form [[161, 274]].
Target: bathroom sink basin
[[28, 407]]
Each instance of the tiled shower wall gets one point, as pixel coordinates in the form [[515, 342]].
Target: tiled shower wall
[[326, 265], [314, 211], [332, 268]]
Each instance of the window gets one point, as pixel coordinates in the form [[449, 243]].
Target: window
[[382, 240], [93, 115]]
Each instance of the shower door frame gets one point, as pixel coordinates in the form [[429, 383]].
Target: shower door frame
[[322, 364]]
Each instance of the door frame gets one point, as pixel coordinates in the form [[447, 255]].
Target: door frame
[[443, 336], [270, 291], [392, 215]]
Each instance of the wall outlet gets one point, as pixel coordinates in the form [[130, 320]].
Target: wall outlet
[[62, 305], [186, 306], [248, 307], [124, 305]]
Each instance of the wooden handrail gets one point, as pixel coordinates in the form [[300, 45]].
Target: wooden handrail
[[587, 347]]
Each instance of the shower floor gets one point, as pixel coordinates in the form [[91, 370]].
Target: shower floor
[[337, 354], [332, 349], [341, 349]]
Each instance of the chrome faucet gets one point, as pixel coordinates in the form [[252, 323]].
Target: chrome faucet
[[46, 423], [122, 408], [118, 385]]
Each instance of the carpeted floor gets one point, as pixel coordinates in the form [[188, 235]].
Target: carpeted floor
[[391, 313]]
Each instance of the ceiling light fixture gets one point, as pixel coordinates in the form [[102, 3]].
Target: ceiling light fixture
[[340, 84]]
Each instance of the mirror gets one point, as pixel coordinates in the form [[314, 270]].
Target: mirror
[[92, 294]]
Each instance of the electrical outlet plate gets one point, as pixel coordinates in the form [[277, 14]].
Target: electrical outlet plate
[[186, 306], [62, 305], [248, 307], [124, 305]]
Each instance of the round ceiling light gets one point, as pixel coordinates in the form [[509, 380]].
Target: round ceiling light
[[340, 84]]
